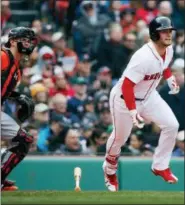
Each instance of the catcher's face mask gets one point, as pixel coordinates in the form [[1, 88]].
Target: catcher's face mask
[[26, 45]]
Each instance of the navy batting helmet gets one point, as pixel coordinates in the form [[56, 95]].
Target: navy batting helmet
[[158, 24]]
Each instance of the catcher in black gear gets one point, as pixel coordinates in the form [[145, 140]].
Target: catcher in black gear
[[21, 43]]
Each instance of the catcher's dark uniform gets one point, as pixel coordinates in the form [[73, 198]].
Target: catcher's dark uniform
[[19, 140], [10, 76], [10, 73]]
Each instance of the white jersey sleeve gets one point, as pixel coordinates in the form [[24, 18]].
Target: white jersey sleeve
[[136, 68], [169, 55]]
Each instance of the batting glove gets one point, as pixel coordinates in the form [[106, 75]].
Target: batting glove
[[137, 119], [174, 88]]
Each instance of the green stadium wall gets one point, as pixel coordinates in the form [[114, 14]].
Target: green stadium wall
[[56, 173]]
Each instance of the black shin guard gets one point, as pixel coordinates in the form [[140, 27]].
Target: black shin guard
[[12, 156], [7, 165]]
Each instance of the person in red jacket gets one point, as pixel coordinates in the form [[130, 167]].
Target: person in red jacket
[[61, 86], [148, 12]]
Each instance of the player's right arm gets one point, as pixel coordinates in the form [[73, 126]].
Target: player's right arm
[[134, 73]]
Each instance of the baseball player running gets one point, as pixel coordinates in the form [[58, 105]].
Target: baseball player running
[[21, 42], [134, 100]]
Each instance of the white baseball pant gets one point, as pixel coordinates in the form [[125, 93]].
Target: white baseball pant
[[154, 109]]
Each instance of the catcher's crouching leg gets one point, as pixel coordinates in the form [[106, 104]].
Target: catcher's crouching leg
[[15, 154]]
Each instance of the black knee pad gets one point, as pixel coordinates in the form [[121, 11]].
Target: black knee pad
[[24, 140]]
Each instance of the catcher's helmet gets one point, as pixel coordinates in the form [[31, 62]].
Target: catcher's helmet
[[22, 32], [158, 24]]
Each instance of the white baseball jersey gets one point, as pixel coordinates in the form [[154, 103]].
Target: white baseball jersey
[[145, 69]]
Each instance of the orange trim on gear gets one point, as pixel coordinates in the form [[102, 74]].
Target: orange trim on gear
[[5, 61], [8, 80], [10, 188]]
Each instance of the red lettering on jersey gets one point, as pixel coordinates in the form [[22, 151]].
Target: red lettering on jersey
[[152, 77], [147, 77]]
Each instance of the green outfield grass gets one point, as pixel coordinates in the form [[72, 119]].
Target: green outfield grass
[[69, 197]]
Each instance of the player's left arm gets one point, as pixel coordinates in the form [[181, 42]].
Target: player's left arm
[[169, 77], [172, 83]]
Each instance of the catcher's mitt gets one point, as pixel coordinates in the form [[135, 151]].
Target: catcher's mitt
[[25, 107]]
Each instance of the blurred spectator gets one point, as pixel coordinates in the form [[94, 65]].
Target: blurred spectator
[[111, 52], [84, 69], [179, 148], [103, 81], [178, 70], [89, 111], [85, 139], [142, 37], [52, 136], [32, 129], [48, 83], [178, 13], [176, 102], [136, 143], [41, 116], [45, 62], [102, 6], [5, 30], [88, 27], [101, 98], [61, 86], [75, 104], [37, 27], [129, 42], [137, 146], [99, 138], [104, 117], [115, 9], [142, 33], [59, 106], [179, 44], [46, 36], [127, 20], [36, 78], [60, 11], [165, 9], [140, 25], [148, 12], [65, 56], [43, 31], [72, 144], [39, 93], [5, 13]]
